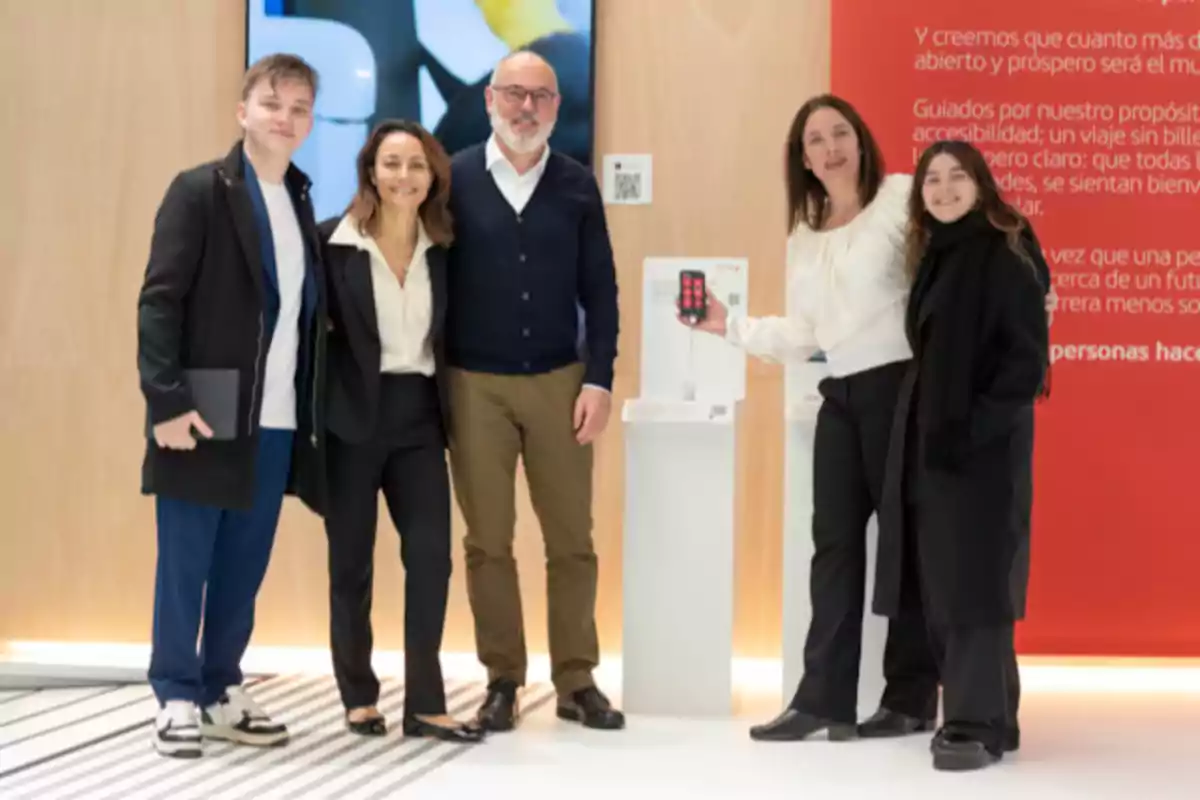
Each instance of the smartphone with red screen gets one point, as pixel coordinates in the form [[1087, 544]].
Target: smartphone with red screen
[[693, 296]]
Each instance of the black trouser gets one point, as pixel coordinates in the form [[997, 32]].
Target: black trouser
[[853, 431], [405, 457], [981, 687]]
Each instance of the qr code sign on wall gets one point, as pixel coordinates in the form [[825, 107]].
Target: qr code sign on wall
[[627, 179], [629, 186]]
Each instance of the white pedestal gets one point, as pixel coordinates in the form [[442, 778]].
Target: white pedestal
[[677, 649], [800, 422]]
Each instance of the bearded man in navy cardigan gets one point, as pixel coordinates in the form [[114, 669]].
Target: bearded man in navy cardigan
[[531, 251]]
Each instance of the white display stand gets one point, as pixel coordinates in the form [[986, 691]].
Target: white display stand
[[803, 402], [678, 581], [680, 476]]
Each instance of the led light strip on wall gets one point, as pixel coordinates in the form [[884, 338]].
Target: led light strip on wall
[[96, 661]]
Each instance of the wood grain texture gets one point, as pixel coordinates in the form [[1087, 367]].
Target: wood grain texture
[[132, 92]]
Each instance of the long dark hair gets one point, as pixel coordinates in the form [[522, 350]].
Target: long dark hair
[[1000, 214], [806, 195], [435, 208]]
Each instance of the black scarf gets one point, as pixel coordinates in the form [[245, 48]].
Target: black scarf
[[949, 286]]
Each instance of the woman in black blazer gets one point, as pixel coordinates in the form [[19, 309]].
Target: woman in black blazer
[[387, 417], [953, 528]]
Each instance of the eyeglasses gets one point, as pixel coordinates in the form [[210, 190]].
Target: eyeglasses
[[517, 94]]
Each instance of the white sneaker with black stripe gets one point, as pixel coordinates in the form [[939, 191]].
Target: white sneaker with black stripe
[[177, 730], [237, 718]]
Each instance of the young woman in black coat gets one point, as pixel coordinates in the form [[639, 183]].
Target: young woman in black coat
[[953, 530]]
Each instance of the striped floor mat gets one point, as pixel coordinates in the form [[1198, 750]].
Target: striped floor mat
[[95, 744]]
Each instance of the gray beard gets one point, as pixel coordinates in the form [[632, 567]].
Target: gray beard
[[518, 144]]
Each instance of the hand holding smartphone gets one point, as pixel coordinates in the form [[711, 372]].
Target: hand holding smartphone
[[697, 307], [693, 296]]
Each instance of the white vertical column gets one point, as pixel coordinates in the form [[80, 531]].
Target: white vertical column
[[678, 559]]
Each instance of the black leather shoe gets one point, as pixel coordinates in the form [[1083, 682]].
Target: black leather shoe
[[957, 752], [793, 725], [499, 710], [885, 723], [590, 708], [463, 733]]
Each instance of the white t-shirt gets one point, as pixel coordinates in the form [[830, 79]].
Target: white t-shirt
[[279, 385]]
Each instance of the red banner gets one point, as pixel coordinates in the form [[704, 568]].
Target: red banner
[[1089, 113]]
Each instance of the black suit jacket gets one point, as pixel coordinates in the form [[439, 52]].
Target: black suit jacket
[[353, 345], [205, 303]]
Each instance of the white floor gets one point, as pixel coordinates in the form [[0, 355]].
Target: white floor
[[1075, 746], [95, 743]]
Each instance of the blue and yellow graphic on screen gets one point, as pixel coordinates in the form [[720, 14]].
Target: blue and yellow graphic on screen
[[427, 60]]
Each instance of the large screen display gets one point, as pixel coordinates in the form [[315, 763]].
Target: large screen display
[[427, 60]]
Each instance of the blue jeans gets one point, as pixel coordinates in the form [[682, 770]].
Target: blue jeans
[[211, 563]]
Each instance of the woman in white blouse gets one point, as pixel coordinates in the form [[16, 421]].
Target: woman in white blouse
[[387, 416], [847, 288]]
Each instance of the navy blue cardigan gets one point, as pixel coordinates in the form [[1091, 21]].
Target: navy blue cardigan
[[523, 288]]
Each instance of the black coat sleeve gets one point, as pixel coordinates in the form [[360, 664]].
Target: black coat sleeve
[[176, 250], [598, 293], [1021, 343], [1034, 249]]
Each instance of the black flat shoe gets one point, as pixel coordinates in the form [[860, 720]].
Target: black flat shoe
[[371, 726], [793, 726], [885, 723], [462, 733]]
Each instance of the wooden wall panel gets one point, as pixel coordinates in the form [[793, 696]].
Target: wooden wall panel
[[104, 102], [131, 92]]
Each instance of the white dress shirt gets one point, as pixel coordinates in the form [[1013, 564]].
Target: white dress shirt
[[403, 313], [516, 188], [279, 382], [846, 292]]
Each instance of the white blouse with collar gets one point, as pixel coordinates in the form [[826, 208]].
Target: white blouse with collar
[[403, 313], [846, 292]]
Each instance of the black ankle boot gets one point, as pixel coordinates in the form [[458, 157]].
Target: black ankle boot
[[961, 752]]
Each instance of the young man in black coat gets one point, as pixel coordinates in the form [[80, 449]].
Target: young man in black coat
[[230, 341]]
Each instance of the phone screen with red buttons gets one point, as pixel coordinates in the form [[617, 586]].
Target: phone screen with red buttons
[[693, 296]]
